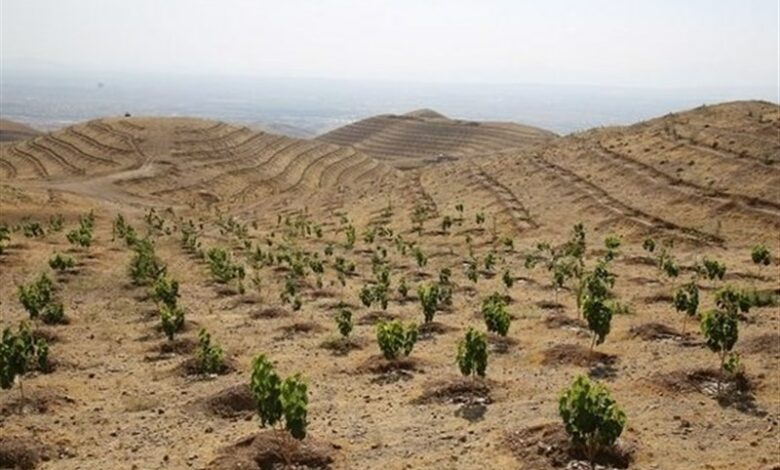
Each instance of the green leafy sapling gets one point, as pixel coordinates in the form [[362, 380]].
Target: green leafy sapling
[[344, 322], [165, 290], [20, 353], [497, 319], [61, 263], [472, 357], [761, 257], [210, 356], [429, 299], [591, 417], [278, 400], [686, 300], [721, 331], [35, 296], [171, 320], [395, 338]]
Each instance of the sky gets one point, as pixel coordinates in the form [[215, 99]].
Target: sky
[[620, 43]]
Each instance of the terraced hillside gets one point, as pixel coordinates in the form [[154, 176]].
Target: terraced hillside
[[294, 214], [424, 137], [10, 130]]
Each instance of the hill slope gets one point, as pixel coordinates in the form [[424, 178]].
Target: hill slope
[[11, 130], [283, 206], [425, 136]]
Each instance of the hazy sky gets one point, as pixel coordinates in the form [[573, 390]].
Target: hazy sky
[[660, 43]]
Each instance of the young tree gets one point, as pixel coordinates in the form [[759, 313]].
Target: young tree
[[171, 320], [429, 298], [472, 355], [497, 319], [210, 356], [721, 330], [759, 254], [61, 263], [344, 322], [686, 300], [395, 339], [19, 354], [37, 295], [590, 416], [165, 290], [278, 400]]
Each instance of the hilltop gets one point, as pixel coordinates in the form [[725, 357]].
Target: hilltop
[[424, 136]]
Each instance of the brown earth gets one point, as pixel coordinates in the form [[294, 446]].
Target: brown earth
[[706, 180]]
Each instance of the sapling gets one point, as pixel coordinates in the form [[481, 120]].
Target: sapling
[[429, 298], [480, 218], [472, 355], [420, 257], [20, 353], [395, 339], [56, 223], [497, 319], [590, 416], [759, 255], [61, 263], [344, 322], [32, 229], [446, 224], [53, 313], [210, 356], [472, 271], [165, 290], [35, 296], [366, 295], [648, 245], [276, 399], [508, 279], [171, 320], [5, 235], [351, 237], [403, 289], [721, 330], [712, 269], [686, 300]]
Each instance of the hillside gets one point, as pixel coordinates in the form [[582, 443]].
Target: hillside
[[10, 130], [422, 137], [701, 184]]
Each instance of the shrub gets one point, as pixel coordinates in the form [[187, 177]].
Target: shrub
[[56, 223], [19, 354], [344, 322], [472, 354], [5, 235], [712, 269], [403, 289], [294, 398], [171, 320], [446, 224], [508, 279], [686, 300], [222, 266], [210, 356], [53, 313], [165, 290], [32, 229], [351, 237], [759, 255], [721, 331], [420, 257], [36, 295], [429, 298], [394, 338], [590, 416], [82, 236], [276, 399], [145, 266], [495, 315], [61, 263]]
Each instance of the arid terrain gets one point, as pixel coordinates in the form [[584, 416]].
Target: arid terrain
[[703, 182]]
